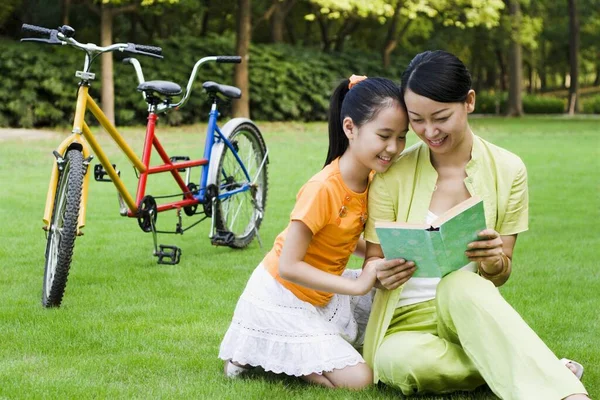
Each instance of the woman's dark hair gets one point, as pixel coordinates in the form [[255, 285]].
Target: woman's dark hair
[[361, 103], [437, 75]]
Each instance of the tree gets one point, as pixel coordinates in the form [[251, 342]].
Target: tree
[[281, 8], [573, 56], [241, 107], [107, 10], [515, 101]]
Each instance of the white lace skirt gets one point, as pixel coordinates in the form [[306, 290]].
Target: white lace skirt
[[275, 330]]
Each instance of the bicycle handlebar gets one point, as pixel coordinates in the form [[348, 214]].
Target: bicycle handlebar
[[64, 35], [36, 30], [229, 59]]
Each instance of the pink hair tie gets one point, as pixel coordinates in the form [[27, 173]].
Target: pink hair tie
[[355, 79]]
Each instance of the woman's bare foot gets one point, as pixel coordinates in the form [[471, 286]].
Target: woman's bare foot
[[574, 367]]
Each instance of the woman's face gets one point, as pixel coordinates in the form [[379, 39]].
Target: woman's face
[[443, 126]]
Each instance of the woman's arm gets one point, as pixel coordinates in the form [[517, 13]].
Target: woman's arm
[[494, 255], [293, 268], [390, 273]]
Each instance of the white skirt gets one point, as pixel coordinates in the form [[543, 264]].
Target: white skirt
[[275, 330]]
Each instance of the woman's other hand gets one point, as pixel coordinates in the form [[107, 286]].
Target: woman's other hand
[[487, 251], [493, 253]]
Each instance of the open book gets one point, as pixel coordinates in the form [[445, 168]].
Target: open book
[[439, 248]]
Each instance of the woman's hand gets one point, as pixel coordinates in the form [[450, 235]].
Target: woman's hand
[[488, 252], [393, 273]]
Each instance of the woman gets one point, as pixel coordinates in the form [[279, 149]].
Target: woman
[[457, 333]]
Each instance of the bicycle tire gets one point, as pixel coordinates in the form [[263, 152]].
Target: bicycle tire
[[63, 229], [251, 149]]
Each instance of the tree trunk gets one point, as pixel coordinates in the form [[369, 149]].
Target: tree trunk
[[529, 77], [490, 77], [542, 67], [277, 23], [241, 107], [66, 7], [289, 27], [515, 63], [347, 28], [108, 90], [597, 80], [573, 57], [502, 67], [391, 39], [324, 28]]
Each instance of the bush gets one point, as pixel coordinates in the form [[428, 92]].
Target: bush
[[490, 103], [543, 105], [497, 103], [286, 82], [591, 105]]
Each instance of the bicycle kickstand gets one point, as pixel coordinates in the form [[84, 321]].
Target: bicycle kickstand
[[166, 254]]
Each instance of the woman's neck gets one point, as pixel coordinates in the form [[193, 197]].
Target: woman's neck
[[458, 157], [354, 174]]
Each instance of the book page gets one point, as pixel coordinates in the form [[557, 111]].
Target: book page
[[412, 245], [457, 209], [457, 233]]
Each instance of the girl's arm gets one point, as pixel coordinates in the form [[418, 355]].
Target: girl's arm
[[494, 255], [361, 248], [294, 269]]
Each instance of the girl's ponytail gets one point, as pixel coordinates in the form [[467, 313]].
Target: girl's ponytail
[[338, 142]]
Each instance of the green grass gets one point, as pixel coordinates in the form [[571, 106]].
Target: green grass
[[130, 328]]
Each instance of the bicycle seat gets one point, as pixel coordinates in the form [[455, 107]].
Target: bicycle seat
[[161, 87], [225, 90]]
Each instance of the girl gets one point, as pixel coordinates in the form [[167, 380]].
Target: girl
[[440, 336], [301, 313]]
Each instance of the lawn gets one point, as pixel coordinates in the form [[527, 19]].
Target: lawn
[[130, 328]]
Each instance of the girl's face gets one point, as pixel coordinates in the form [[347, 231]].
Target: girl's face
[[377, 143], [443, 126]]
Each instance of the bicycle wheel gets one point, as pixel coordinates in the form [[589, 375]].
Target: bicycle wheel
[[63, 229], [240, 214]]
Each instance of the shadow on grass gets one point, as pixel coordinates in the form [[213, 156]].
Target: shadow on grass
[[379, 391]]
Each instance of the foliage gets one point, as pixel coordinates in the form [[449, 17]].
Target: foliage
[[591, 105], [497, 103], [286, 83]]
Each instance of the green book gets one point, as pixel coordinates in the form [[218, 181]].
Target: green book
[[439, 248]]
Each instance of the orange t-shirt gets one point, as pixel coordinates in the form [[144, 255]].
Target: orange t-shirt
[[336, 216]]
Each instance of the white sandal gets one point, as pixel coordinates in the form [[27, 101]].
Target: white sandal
[[234, 371], [578, 367]]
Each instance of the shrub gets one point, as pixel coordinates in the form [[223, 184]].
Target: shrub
[[497, 103], [490, 103], [543, 105], [286, 82], [591, 105]]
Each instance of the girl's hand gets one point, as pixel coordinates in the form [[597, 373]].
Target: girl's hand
[[393, 273], [367, 279], [487, 252]]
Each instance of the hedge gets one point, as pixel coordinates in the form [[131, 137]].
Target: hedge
[[591, 105], [286, 82], [497, 103]]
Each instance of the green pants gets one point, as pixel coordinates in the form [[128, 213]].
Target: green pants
[[468, 336]]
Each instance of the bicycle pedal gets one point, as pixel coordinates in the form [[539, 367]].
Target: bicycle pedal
[[175, 159], [222, 238], [168, 254], [100, 173]]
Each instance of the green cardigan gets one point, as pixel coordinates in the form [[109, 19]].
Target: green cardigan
[[403, 193]]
